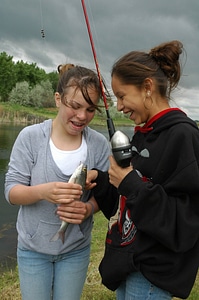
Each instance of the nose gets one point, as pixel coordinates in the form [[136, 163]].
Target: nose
[[81, 114], [120, 105]]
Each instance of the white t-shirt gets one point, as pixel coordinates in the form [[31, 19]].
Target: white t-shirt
[[68, 161]]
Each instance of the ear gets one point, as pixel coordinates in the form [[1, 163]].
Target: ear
[[148, 84], [57, 99]]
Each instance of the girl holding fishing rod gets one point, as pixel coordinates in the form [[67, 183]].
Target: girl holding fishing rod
[[42, 160], [152, 243]]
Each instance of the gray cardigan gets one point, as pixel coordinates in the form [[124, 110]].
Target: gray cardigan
[[31, 163]]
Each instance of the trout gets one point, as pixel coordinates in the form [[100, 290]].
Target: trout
[[79, 176]]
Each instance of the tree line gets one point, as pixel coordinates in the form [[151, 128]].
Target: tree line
[[26, 84]]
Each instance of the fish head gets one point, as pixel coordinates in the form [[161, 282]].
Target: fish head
[[79, 175]]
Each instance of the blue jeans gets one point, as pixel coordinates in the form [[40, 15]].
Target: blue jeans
[[57, 277], [137, 287]]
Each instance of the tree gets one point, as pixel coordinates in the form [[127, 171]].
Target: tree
[[53, 78], [20, 94], [42, 95], [7, 76], [29, 72]]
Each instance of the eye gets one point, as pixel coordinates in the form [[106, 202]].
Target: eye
[[91, 109], [120, 96], [74, 104]]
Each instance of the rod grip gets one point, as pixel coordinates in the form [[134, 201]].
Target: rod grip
[[111, 127]]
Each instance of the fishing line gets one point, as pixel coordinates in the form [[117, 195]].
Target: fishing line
[[120, 143], [97, 43], [110, 125], [42, 24]]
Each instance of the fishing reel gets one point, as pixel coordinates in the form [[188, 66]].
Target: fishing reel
[[120, 144], [121, 148]]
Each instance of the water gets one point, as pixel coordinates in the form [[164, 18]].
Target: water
[[8, 213]]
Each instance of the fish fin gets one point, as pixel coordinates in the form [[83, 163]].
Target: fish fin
[[62, 236], [58, 235], [55, 237]]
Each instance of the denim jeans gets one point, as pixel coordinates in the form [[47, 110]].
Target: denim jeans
[[57, 277], [137, 287]]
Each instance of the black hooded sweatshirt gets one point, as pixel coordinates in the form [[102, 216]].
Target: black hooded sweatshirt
[[154, 225]]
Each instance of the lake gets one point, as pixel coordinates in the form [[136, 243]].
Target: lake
[[8, 213]]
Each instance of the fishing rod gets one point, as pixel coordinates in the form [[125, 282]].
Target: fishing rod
[[110, 125], [121, 146]]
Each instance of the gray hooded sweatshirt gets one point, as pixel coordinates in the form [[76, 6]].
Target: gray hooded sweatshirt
[[31, 163]]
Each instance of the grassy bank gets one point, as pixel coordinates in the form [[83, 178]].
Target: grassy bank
[[29, 115], [93, 289]]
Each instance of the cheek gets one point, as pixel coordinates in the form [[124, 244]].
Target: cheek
[[66, 114], [90, 116]]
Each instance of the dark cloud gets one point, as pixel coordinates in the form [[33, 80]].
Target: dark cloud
[[117, 27]]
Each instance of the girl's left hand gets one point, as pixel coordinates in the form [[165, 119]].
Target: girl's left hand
[[73, 212], [116, 173]]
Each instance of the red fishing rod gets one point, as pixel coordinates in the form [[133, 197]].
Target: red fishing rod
[[121, 146], [110, 125]]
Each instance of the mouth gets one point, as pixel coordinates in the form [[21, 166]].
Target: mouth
[[130, 113], [78, 125]]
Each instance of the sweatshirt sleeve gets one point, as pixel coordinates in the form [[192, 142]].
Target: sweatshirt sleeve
[[171, 216], [20, 164], [105, 194]]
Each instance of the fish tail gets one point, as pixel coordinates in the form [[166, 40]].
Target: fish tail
[[60, 234]]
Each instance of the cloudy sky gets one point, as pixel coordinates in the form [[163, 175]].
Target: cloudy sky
[[118, 26]]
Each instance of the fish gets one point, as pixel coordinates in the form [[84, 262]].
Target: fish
[[78, 176]]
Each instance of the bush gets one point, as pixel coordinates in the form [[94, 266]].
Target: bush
[[41, 95], [20, 94]]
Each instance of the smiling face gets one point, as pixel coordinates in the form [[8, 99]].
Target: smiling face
[[131, 100], [74, 112]]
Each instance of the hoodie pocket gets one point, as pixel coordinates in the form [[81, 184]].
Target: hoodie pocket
[[115, 266]]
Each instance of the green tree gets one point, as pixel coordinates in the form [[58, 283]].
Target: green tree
[[7, 76], [42, 95], [29, 72], [20, 94]]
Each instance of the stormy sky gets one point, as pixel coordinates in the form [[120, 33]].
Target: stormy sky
[[118, 26]]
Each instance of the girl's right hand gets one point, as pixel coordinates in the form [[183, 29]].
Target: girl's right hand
[[61, 192], [55, 192], [91, 177]]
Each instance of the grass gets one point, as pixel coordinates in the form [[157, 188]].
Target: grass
[[93, 289], [21, 114]]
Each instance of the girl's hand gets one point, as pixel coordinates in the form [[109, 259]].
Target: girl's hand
[[54, 192], [116, 173], [91, 176], [60, 192], [74, 212]]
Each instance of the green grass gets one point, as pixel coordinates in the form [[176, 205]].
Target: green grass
[[13, 112], [93, 289], [21, 114]]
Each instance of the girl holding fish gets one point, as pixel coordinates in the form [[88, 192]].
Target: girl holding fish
[[42, 160]]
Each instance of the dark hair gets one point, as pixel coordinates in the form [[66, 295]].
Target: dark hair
[[79, 77], [161, 63]]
